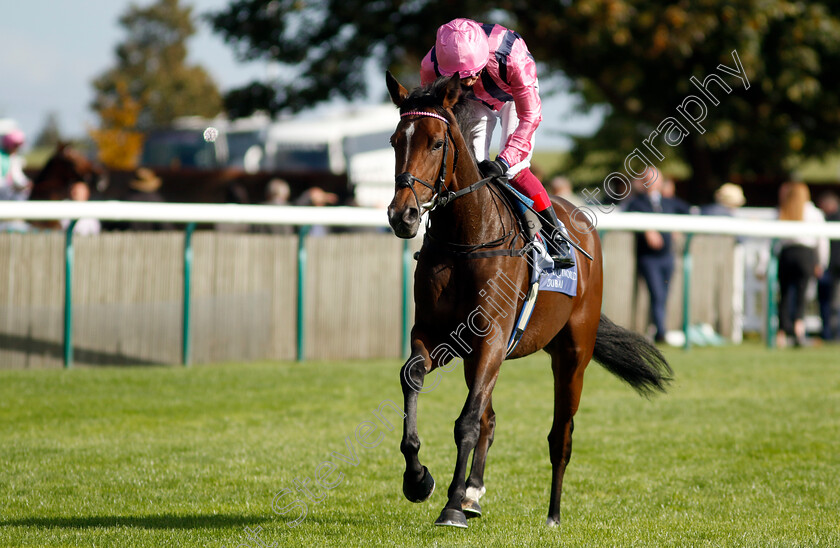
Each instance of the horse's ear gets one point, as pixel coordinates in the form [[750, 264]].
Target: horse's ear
[[452, 91], [397, 91]]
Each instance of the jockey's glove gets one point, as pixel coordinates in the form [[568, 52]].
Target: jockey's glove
[[493, 168]]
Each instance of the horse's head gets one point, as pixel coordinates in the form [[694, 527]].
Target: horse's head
[[426, 153], [80, 167]]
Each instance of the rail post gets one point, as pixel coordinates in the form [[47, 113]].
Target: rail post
[[301, 294], [68, 295], [772, 277], [687, 266], [187, 301]]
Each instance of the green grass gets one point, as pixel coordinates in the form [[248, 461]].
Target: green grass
[[743, 451]]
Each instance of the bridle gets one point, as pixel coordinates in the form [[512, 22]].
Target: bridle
[[441, 194]]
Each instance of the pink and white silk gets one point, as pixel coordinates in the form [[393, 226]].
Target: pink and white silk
[[510, 76]]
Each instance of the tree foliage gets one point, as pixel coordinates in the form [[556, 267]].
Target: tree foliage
[[634, 56], [152, 63], [117, 139], [50, 134]]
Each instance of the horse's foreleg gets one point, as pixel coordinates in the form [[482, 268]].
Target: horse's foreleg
[[418, 483], [475, 483], [481, 378]]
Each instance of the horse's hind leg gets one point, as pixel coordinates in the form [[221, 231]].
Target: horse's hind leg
[[568, 366], [475, 483], [418, 483]]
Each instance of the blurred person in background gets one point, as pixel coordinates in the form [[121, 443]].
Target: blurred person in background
[[561, 186], [14, 184], [236, 193], [728, 198], [145, 187], [80, 192], [654, 253], [829, 203], [317, 197], [277, 192], [801, 259]]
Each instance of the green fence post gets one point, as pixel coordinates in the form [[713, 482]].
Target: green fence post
[[406, 296], [772, 276], [185, 316], [301, 292], [687, 290], [68, 295]]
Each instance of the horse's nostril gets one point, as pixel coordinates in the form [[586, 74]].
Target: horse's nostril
[[410, 215]]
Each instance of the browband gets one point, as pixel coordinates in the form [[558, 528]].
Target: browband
[[421, 113]]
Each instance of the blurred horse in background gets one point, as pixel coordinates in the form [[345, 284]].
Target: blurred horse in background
[[66, 166]]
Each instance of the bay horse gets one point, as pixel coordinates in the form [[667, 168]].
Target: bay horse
[[66, 166], [469, 259]]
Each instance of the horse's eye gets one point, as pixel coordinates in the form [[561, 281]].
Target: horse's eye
[[438, 145]]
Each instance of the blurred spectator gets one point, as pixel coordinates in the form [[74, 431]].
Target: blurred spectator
[[235, 193], [80, 192], [669, 188], [277, 192], [317, 197], [829, 203], [654, 256], [800, 260], [728, 198], [637, 188], [14, 184], [562, 186], [143, 188]]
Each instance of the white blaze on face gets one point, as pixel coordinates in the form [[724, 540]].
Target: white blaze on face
[[409, 133]]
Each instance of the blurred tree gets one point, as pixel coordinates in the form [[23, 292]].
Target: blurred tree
[[152, 62], [117, 139], [636, 57], [50, 134]]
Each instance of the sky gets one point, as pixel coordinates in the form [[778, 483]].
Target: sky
[[53, 49]]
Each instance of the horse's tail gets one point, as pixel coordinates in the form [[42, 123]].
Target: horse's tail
[[630, 357]]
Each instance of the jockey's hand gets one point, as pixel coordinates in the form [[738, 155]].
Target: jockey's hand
[[493, 168]]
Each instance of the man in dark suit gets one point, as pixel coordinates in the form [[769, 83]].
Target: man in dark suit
[[654, 254], [827, 285]]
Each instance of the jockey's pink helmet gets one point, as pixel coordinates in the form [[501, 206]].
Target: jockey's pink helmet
[[461, 47], [14, 138]]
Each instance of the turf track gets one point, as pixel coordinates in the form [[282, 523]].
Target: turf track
[[743, 451]]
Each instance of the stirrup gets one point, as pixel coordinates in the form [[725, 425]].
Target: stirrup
[[561, 254]]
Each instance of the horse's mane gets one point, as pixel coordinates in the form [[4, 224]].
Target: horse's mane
[[429, 97]]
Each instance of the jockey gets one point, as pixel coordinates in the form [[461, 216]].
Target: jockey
[[496, 64], [14, 184]]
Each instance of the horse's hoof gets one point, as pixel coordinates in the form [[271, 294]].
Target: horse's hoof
[[451, 517], [419, 491], [471, 508], [552, 522]]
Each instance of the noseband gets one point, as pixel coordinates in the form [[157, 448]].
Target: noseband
[[442, 195]]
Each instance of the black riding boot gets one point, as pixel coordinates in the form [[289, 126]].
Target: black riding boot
[[558, 248]]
